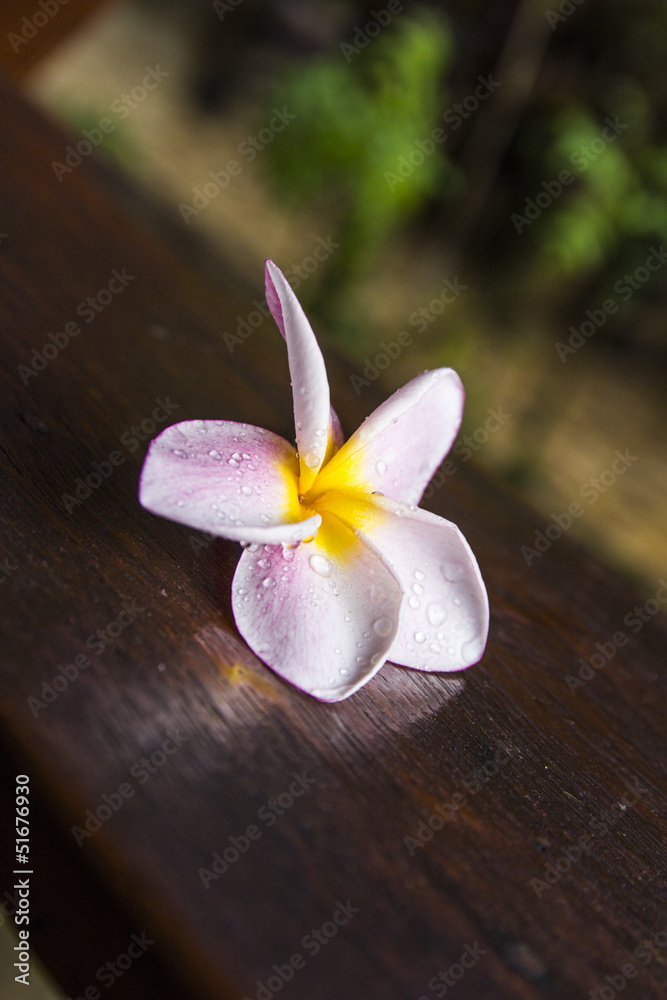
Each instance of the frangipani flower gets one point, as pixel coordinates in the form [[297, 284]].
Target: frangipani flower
[[340, 570]]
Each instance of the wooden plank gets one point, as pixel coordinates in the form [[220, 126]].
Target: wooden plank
[[527, 774], [30, 29]]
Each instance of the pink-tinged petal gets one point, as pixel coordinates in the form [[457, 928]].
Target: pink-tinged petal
[[445, 617], [400, 445], [229, 479], [315, 433], [323, 615]]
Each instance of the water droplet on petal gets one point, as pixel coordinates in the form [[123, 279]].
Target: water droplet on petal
[[215, 454], [436, 614], [420, 637], [246, 491], [269, 582], [414, 603], [380, 468], [311, 460], [320, 565], [288, 553], [457, 602], [417, 588], [265, 518], [263, 563], [434, 647], [179, 453], [383, 626], [233, 462], [453, 571], [419, 575], [343, 672]]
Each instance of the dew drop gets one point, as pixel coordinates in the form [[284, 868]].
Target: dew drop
[[348, 618], [237, 455], [263, 563], [344, 672], [452, 571], [215, 454], [457, 602], [436, 614], [233, 462], [380, 468], [179, 453], [383, 626], [269, 583], [180, 503], [311, 460], [320, 565], [265, 518], [414, 603], [361, 659], [420, 637], [417, 588], [246, 491], [434, 647]]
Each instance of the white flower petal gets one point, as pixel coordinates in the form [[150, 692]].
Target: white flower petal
[[229, 479], [445, 618], [316, 430], [400, 445], [323, 615]]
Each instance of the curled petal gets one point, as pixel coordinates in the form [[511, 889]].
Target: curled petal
[[317, 427], [445, 617], [229, 479], [323, 615], [400, 445]]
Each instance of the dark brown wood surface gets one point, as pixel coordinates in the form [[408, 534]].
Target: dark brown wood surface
[[525, 769]]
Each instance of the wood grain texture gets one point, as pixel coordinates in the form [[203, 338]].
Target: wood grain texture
[[521, 766]]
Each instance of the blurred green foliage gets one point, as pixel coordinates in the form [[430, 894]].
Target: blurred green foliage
[[356, 115], [361, 110]]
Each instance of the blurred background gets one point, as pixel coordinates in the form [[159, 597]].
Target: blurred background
[[465, 184]]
